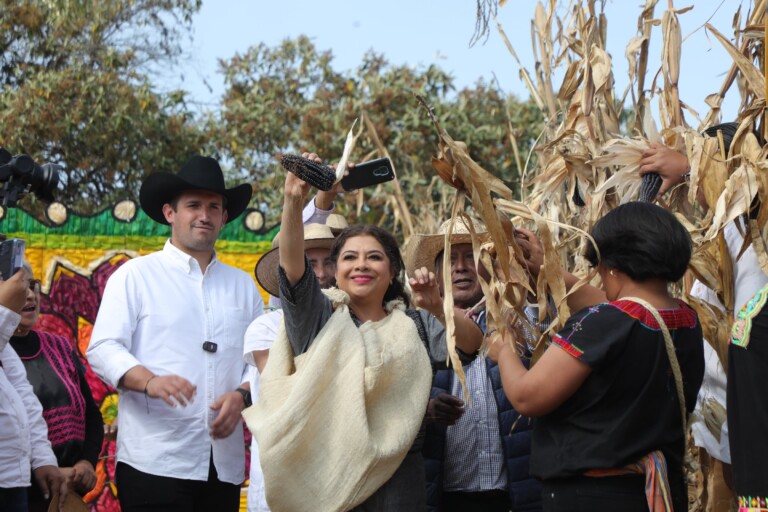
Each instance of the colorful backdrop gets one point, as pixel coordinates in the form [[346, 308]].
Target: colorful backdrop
[[75, 255]]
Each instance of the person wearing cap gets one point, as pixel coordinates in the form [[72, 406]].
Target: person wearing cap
[[476, 458], [262, 332], [169, 337]]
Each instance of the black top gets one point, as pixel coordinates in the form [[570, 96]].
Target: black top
[[748, 405], [75, 425], [628, 406]]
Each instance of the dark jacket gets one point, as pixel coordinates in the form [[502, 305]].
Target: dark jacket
[[515, 432]]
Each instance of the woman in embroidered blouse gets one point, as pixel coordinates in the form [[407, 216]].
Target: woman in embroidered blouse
[[75, 425], [604, 394], [380, 348]]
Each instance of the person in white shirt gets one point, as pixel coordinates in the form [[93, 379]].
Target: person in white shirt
[[169, 337], [24, 447]]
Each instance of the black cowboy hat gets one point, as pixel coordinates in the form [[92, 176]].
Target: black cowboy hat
[[199, 173]]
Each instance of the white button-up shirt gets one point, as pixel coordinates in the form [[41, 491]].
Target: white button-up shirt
[[24, 441], [260, 335], [157, 311]]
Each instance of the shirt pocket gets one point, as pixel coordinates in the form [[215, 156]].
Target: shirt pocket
[[236, 320]]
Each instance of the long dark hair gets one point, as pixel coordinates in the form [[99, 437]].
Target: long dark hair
[[396, 289]]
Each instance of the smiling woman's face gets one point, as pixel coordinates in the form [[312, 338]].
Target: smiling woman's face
[[363, 269]]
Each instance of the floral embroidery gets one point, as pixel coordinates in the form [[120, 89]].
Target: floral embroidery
[[753, 504], [682, 317], [742, 326]]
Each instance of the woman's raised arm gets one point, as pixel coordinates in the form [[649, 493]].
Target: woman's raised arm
[[292, 228]]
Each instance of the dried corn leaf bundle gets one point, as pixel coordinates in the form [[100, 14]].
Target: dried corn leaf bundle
[[509, 282], [585, 167]]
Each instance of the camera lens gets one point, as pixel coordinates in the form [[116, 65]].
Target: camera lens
[[23, 165], [44, 180]]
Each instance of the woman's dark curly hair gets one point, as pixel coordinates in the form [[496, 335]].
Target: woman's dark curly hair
[[642, 240], [396, 289]]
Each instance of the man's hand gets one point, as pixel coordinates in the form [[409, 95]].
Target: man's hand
[[110, 431], [426, 294], [81, 476], [671, 165], [230, 406], [13, 291], [174, 390], [533, 251], [51, 480], [445, 409]]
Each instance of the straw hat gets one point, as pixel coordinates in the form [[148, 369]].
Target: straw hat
[[422, 250], [315, 236], [337, 223]]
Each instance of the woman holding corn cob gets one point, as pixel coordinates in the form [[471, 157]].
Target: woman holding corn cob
[[344, 394], [607, 397]]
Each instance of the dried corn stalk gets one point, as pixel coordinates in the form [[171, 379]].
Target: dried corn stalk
[[585, 168]]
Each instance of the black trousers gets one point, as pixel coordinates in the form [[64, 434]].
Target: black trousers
[[488, 501], [13, 499], [142, 492], [591, 494]]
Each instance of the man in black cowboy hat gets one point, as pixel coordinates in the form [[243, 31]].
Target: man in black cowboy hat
[[169, 337]]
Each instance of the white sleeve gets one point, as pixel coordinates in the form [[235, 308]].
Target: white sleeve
[[109, 350], [313, 215], [41, 453], [261, 334]]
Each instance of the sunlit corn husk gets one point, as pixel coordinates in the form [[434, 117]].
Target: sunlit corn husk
[[585, 167], [714, 415], [715, 326]]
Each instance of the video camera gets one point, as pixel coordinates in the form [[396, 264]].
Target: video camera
[[20, 175]]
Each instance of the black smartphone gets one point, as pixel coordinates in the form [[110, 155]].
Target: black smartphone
[[368, 173], [11, 257]]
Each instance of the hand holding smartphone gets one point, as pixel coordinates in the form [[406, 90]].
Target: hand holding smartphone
[[11, 257], [366, 174]]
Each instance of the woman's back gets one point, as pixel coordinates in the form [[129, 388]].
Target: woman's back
[[628, 406]]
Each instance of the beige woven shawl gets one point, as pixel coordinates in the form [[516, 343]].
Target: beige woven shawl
[[334, 423]]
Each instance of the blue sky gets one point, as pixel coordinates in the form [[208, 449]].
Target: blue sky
[[421, 32]]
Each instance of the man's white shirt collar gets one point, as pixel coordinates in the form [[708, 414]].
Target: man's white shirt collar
[[184, 260]]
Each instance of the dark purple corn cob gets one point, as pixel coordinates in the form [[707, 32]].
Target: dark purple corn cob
[[649, 187], [319, 176]]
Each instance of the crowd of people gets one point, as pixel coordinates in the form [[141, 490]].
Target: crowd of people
[[345, 377]]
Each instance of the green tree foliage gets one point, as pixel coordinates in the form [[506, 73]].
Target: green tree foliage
[[76, 91], [76, 88], [289, 98]]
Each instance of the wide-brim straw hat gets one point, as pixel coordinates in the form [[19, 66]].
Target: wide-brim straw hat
[[315, 236], [199, 173], [337, 223], [422, 250]]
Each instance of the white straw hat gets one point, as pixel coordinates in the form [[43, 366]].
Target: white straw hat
[[422, 250], [315, 235]]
